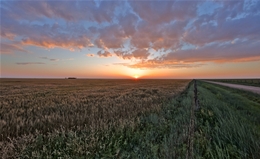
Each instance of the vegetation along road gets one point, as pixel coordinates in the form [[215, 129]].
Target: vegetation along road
[[243, 87]]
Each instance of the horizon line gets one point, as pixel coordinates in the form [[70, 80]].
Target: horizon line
[[66, 78]]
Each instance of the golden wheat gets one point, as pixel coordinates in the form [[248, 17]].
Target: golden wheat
[[43, 106]]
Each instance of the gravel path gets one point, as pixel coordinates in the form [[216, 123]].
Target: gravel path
[[243, 87]]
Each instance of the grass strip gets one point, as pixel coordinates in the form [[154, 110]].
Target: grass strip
[[227, 125]]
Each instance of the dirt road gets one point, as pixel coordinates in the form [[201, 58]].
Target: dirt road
[[243, 87]]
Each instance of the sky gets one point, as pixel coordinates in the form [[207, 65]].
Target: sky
[[127, 39]]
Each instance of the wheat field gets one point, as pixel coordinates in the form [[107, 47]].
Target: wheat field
[[30, 107]]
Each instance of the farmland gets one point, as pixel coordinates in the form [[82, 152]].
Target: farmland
[[127, 119], [33, 107]]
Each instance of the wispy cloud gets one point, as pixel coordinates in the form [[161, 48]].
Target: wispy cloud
[[30, 63], [10, 48], [152, 64], [69, 59], [54, 59], [46, 58], [90, 55]]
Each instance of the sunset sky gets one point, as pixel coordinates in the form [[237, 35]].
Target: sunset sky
[[123, 39]]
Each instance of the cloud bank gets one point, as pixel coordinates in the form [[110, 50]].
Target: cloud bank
[[153, 34]]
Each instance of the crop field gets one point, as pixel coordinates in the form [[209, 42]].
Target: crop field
[[36, 107], [127, 119], [249, 82]]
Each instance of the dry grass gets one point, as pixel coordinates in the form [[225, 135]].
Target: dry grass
[[37, 106]]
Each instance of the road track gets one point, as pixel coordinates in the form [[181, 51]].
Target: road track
[[237, 86], [189, 153]]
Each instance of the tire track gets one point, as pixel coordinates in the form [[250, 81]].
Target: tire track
[[195, 106]]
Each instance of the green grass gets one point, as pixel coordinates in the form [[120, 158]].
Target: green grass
[[227, 125]]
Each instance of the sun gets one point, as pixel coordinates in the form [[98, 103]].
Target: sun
[[135, 73], [136, 76]]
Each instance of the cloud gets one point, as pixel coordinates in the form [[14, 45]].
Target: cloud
[[104, 54], [67, 10], [90, 55], [54, 59], [7, 48], [157, 12], [152, 64], [110, 37], [47, 37], [230, 30], [153, 34], [69, 59], [166, 37], [30, 63], [46, 58], [135, 54], [62, 41], [42, 33], [128, 23], [224, 52], [140, 54], [241, 51]]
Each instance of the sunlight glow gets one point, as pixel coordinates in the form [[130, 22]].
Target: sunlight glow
[[136, 76], [135, 72]]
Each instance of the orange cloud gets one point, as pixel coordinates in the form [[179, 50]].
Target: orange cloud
[[135, 54], [10, 48], [238, 60], [49, 42], [90, 55]]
